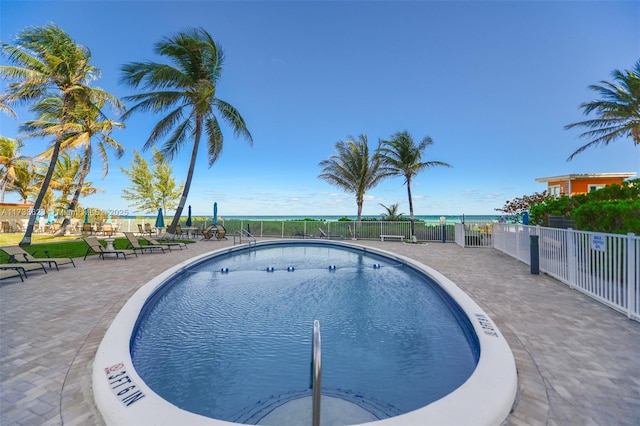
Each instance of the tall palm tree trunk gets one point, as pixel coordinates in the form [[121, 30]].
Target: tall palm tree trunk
[[411, 218], [185, 191], [26, 239]]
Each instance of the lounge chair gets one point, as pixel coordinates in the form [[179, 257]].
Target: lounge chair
[[149, 230], [96, 248], [23, 267], [167, 244], [209, 232], [222, 232], [107, 229], [18, 255], [87, 229], [135, 245], [10, 273]]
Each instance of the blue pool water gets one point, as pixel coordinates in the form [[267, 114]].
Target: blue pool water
[[231, 339]]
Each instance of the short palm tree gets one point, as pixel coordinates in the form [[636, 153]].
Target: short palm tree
[[186, 91], [66, 180], [10, 159], [352, 168], [48, 62], [618, 111], [26, 183], [402, 157], [391, 212]]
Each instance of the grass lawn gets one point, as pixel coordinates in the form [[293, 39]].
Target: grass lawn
[[51, 246]]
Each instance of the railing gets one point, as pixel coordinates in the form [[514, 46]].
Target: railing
[[603, 266], [342, 230], [474, 234], [316, 373], [242, 233]]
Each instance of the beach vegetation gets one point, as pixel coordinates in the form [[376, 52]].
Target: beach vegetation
[[151, 189], [353, 169], [617, 111], [402, 156], [10, 160], [87, 124], [47, 64], [614, 208], [184, 91], [391, 212]]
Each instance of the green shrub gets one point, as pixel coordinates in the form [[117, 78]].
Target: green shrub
[[620, 216]]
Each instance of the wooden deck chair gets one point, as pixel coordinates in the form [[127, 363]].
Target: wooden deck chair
[[209, 232], [18, 255], [167, 244], [222, 232], [86, 229], [95, 247], [135, 245]]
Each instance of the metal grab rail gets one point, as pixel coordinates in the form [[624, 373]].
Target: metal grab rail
[[242, 233], [316, 372]]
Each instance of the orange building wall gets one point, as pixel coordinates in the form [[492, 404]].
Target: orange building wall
[[581, 186]]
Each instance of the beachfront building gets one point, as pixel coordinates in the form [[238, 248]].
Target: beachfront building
[[14, 216], [582, 183]]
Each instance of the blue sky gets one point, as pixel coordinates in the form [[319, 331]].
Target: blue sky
[[493, 83]]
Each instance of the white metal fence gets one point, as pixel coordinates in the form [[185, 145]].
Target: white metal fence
[[604, 266]]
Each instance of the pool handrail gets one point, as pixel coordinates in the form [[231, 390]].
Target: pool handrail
[[316, 373]]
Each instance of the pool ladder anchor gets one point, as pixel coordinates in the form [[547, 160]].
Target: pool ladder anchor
[[316, 373]]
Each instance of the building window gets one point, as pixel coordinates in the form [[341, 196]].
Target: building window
[[554, 190], [593, 187]]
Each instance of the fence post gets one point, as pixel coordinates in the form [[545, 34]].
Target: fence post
[[534, 254], [572, 258], [631, 275]]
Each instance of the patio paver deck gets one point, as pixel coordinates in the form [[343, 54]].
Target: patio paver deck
[[578, 361]]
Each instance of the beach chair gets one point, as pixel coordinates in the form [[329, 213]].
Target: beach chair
[[107, 229], [167, 244], [149, 230], [209, 232], [135, 245], [96, 248], [23, 267], [222, 232], [18, 255], [10, 273]]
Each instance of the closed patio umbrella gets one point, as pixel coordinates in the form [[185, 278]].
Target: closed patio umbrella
[[86, 215], [215, 213], [160, 219], [188, 222], [109, 218]]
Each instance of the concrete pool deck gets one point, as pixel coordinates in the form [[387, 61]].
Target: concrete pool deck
[[578, 361]]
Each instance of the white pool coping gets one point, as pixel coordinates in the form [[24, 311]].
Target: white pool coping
[[486, 398]]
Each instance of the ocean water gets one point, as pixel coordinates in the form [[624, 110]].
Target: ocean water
[[427, 218], [330, 218]]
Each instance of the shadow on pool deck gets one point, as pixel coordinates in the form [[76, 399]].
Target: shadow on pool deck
[[577, 360]]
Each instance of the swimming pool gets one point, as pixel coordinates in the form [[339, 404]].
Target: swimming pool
[[394, 372]]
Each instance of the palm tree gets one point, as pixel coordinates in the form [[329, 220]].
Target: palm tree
[[352, 168], [618, 111], [186, 91], [402, 157], [26, 183], [66, 179], [391, 212], [48, 61], [10, 159], [86, 123]]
